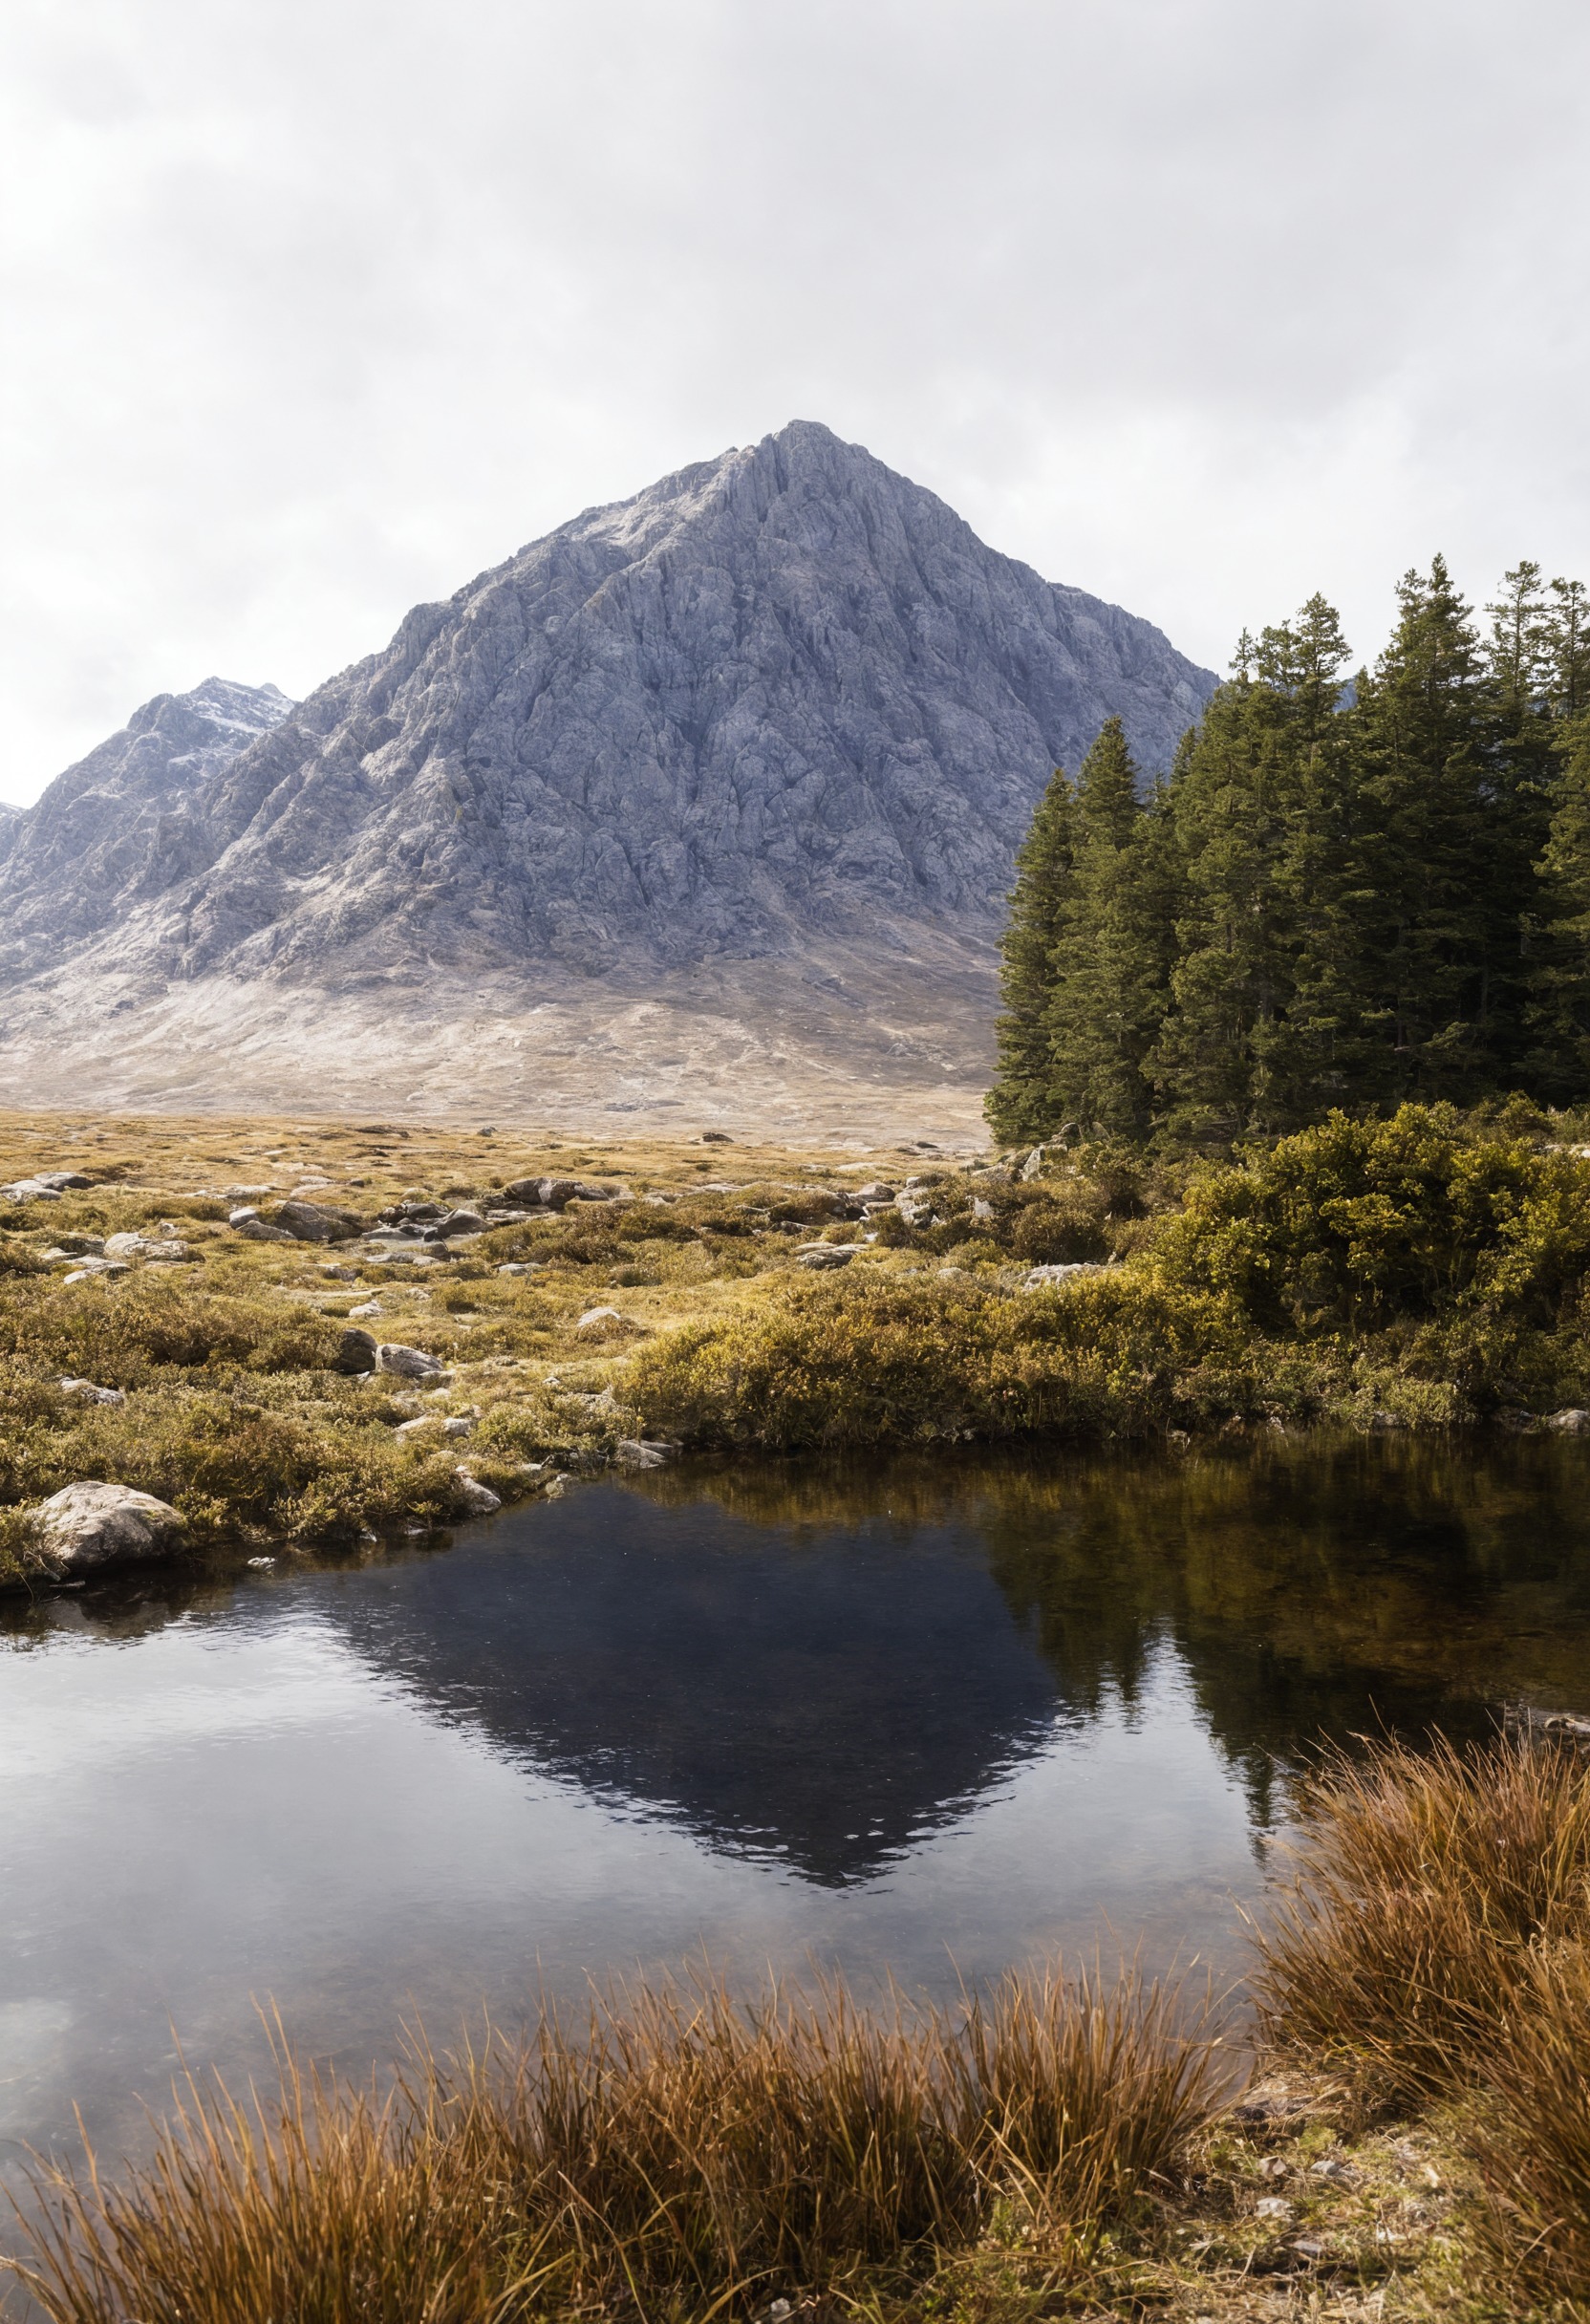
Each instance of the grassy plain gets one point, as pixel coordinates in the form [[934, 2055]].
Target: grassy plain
[[1424, 1272]]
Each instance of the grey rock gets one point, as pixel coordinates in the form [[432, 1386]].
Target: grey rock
[[1033, 1167], [478, 1499], [93, 1268], [782, 695], [62, 1180], [87, 1391], [980, 1210], [407, 1363], [255, 1230], [457, 1223], [1570, 1422], [30, 1190], [638, 1452], [132, 1245], [309, 1222], [522, 1266], [357, 1350], [1037, 1278], [597, 1320], [90, 1526], [823, 1256]]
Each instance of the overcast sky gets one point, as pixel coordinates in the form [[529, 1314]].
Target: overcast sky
[[314, 308]]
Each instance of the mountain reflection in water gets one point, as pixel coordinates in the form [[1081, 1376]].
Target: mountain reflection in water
[[822, 1697], [933, 1715]]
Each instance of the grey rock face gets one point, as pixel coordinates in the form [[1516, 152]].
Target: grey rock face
[[126, 824], [779, 697], [93, 1525]]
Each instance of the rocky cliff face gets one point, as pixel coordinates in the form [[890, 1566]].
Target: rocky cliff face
[[763, 738]]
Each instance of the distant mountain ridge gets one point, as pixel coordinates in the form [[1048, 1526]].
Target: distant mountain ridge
[[783, 706]]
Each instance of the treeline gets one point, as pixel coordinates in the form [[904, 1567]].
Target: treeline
[[1344, 895]]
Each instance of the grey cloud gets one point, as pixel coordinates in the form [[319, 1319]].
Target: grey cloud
[[314, 310]]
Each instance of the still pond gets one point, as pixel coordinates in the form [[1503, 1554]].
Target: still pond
[[918, 1717]]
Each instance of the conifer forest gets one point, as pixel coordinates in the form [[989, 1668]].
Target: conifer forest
[[1351, 892]]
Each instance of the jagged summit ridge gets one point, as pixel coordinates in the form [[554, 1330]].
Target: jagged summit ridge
[[125, 822], [778, 698]]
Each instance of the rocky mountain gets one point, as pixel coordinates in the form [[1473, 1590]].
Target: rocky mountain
[[125, 822], [773, 727]]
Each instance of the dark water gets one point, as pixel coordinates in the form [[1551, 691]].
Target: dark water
[[922, 1718]]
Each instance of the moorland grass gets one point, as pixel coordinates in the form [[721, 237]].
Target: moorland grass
[[1055, 2146], [681, 2154]]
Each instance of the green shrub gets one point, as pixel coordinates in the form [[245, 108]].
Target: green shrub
[[881, 1359], [1353, 1225]]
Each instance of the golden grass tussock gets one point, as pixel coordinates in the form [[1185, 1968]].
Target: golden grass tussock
[[1428, 1884], [679, 2154]]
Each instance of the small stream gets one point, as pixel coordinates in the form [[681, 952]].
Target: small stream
[[925, 1718]]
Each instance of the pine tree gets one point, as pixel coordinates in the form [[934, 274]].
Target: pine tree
[[1111, 965], [1215, 1062], [1446, 949], [1559, 1010], [1020, 1105]]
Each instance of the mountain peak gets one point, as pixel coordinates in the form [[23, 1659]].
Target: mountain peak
[[783, 705]]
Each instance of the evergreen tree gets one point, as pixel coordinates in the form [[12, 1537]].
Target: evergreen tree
[[1323, 875], [1110, 963], [1216, 1058], [1019, 1105], [1567, 624], [1447, 963], [1560, 1012]]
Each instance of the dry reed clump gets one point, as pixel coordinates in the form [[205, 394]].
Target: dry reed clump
[[1532, 2137], [1430, 1886], [685, 2155]]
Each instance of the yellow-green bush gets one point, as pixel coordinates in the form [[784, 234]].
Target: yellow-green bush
[[1353, 1225], [884, 1359]]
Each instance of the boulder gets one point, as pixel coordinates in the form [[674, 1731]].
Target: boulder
[[87, 1392], [145, 1246], [635, 1452], [824, 1254], [1570, 1422], [876, 1192], [253, 1229], [1037, 1278], [92, 1269], [597, 1320], [92, 1526], [61, 1180], [356, 1351], [30, 1190], [455, 1222], [308, 1222], [478, 1499], [406, 1363], [1033, 1167]]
